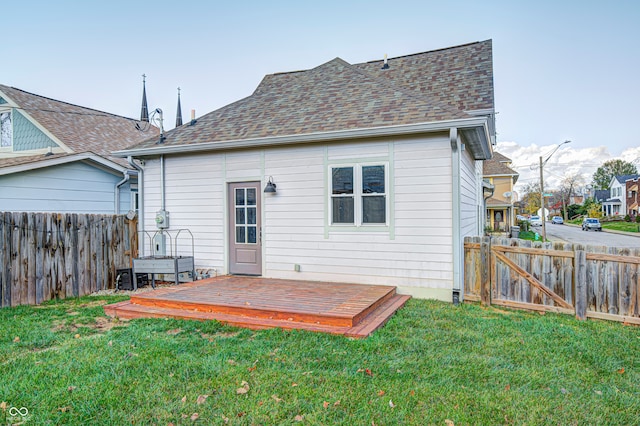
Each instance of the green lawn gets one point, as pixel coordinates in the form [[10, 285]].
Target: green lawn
[[433, 363], [621, 226]]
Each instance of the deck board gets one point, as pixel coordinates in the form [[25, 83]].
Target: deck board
[[253, 302]]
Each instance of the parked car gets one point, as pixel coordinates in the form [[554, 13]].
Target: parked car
[[521, 218], [557, 220], [535, 221], [591, 223]]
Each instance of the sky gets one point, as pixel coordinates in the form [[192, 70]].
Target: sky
[[563, 70]]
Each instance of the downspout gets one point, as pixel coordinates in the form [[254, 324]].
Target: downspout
[[457, 295], [117, 191], [140, 200]]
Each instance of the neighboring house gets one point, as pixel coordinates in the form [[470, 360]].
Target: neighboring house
[[368, 173], [633, 197], [616, 204], [56, 157], [500, 206], [601, 195]]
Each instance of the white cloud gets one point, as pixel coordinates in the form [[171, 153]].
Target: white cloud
[[564, 162]]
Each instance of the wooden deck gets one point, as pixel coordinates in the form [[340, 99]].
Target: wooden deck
[[353, 310]]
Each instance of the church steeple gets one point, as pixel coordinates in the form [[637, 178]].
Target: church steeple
[[179, 112], [144, 111]]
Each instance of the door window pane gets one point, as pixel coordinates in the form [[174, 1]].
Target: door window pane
[[342, 180], [373, 209], [251, 215], [240, 197], [240, 235], [240, 217], [343, 210], [373, 180], [251, 196], [252, 235]]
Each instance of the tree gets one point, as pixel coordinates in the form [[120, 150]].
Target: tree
[[569, 183], [602, 176], [531, 197]]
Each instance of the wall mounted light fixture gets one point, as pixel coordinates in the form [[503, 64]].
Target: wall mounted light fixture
[[271, 187]]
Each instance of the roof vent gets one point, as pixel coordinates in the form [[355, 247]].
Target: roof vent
[[385, 65]]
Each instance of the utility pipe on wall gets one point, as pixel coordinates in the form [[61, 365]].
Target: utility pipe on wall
[[162, 201], [457, 295], [140, 201]]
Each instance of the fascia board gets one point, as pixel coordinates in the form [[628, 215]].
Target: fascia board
[[407, 129], [107, 164]]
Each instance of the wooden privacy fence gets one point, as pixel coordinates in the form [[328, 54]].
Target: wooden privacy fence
[[588, 281], [45, 256]]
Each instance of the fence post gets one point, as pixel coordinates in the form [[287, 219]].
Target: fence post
[[485, 262], [580, 278]]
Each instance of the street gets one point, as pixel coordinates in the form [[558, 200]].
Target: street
[[576, 235]]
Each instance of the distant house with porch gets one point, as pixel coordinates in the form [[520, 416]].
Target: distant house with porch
[[363, 173], [500, 206], [616, 204], [56, 157]]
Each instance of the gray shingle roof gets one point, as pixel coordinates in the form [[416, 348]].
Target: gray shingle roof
[[336, 96], [623, 178], [79, 128], [497, 165]]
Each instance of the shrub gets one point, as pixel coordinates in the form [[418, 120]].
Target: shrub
[[627, 218]]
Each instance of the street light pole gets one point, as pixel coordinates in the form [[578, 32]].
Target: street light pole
[[542, 209]]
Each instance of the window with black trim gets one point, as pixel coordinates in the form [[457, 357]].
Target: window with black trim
[[359, 195]]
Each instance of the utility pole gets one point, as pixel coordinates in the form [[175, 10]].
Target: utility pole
[[544, 226]]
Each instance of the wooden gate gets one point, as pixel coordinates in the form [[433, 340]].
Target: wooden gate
[[588, 281]]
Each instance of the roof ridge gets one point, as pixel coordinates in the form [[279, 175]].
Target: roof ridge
[[429, 51], [104, 113]]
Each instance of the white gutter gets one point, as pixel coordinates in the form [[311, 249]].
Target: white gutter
[[458, 289], [140, 201], [405, 129]]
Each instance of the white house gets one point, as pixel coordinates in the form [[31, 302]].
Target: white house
[[366, 173], [616, 204]]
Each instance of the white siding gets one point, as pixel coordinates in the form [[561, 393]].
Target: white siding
[[67, 188], [469, 187], [415, 250]]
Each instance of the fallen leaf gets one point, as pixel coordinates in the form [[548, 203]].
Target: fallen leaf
[[294, 384], [325, 404], [16, 339], [171, 374], [260, 403], [298, 418], [368, 372], [224, 419], [275, 398], [599, 392], [232, 362], [391, 404], [381, 392], [247, 303], [71, 388], [3, 406], [184, 416], [241, 391], [194, 417], [77, 336], [448, 422], [184, 399], [174, 331], [507, 388], [170, 424], [621, 371], [412, 393], [563, 390], [542, 313], [335, 404], [252, 368], [110, 343], [64, 409], [201, 399], [241, 413], [360, 370]]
